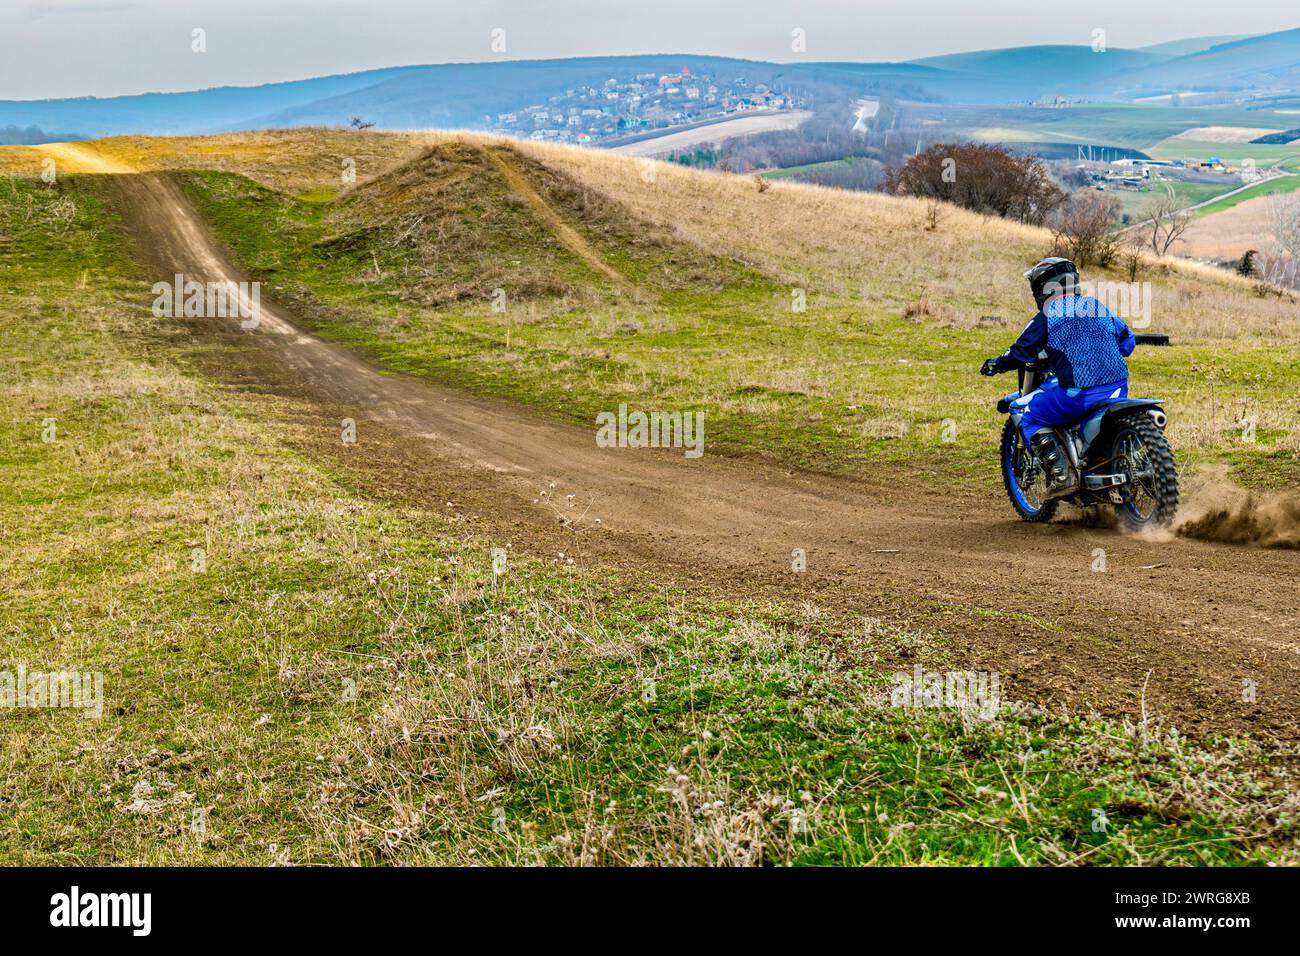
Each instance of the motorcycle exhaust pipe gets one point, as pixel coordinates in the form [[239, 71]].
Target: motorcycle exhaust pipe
[[1159, 417]]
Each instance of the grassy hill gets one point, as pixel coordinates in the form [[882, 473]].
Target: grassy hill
[[1271, 60], [882, 352], [1040, 70], [342, 678]]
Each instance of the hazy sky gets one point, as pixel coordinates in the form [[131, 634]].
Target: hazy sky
[[110, 47]]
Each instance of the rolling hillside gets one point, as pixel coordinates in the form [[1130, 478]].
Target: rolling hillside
[[423, 231], [1270, 60], [1037, 69], [1188, 46], [461, 95], [202, 111], [472, 635], [455, 95]]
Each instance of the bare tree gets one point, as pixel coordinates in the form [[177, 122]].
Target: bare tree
[[358, 123], [1131, 251], [933, 214], [1084, 229], [1166, 222], [1286, 225]]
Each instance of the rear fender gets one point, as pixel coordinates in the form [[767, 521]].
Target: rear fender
[[1101, 425]]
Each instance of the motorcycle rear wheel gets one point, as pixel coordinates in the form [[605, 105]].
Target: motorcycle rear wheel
[[1140, 449]]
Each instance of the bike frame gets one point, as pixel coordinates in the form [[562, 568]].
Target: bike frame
[[1032, 376]]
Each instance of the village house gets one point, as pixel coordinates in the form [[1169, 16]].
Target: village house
[[620, 105]]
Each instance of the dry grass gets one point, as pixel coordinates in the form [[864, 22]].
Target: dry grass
[[869, 247], [1228, 234], [345, 682], [293, 160], [1224, 134], [878, 248]]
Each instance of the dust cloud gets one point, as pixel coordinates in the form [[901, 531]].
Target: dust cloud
[[1215, 509]]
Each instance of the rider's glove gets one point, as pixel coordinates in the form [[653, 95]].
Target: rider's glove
[[990, 367]]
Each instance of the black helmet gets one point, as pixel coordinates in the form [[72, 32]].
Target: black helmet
[[1053, 277]]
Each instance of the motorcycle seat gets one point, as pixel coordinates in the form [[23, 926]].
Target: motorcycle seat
[[1090, 425]]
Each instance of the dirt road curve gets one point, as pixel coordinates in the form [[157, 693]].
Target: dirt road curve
[[709, 133], [1198, 618], [75, 158]]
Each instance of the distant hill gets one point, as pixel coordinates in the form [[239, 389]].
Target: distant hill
[[453, 95], [461, 95], [1190, 45], [1040, 70], [464, 95], [1271, 60], [204, 111], [27, 135]]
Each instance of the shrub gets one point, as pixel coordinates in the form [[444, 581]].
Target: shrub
[[981, 178], [1084, 229], [1246, 264]]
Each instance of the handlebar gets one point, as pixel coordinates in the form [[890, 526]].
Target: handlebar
[[1031, 369]]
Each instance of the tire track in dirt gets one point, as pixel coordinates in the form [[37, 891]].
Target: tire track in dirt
[[570, 238], [75, 158], [1198, 618]]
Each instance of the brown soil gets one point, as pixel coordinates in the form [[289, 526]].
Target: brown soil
[[1187, 620]]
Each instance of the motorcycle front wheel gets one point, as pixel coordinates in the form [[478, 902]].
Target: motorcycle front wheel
[[1024, 477]]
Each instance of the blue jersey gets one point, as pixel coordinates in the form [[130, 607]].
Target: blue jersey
[[1082, 340]]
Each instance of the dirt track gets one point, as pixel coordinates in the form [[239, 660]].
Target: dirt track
[[76, 158], [1199, 618]]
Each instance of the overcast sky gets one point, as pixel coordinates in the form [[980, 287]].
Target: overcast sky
[[109, 47]]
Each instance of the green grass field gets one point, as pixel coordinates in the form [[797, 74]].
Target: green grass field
[[1287, 156], [1192, 194], [1143, 126], [846, 385], [808, 172], [298, 672], [1283, 184], [797, 171], [1188, 194]]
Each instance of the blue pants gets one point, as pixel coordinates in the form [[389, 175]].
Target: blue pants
[[1052, 406]]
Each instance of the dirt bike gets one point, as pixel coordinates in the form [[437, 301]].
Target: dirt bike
[[1118, 456]]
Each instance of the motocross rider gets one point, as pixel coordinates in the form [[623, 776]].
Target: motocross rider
[[1084, 345]]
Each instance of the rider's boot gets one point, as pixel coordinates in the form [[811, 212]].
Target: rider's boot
[[1049, 451]]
